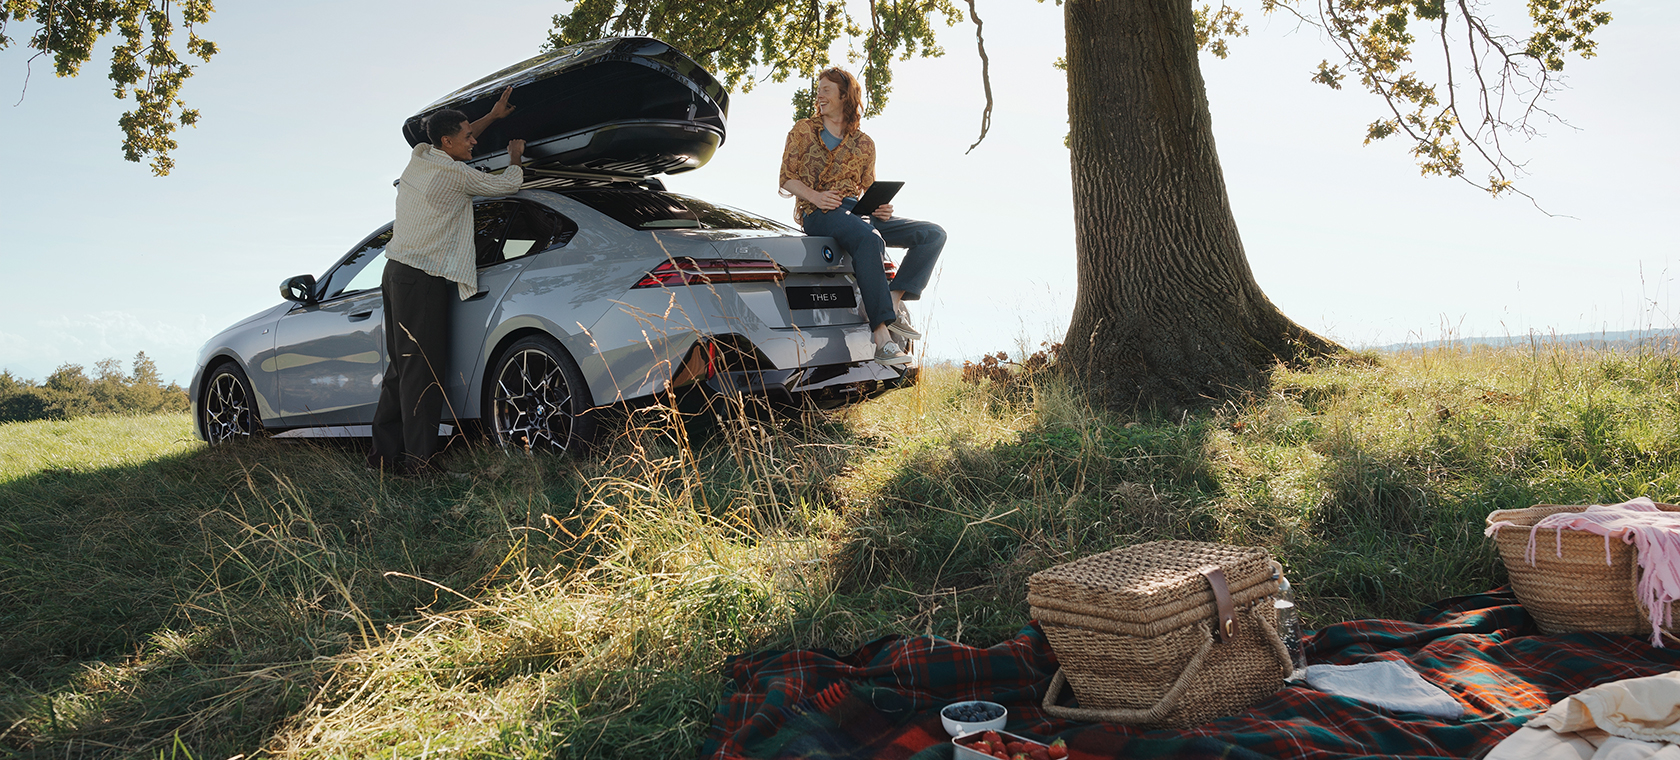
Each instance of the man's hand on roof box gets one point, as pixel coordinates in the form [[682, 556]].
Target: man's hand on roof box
[[502, 107]]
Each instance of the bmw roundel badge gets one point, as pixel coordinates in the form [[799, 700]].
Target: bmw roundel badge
[[828, 254]]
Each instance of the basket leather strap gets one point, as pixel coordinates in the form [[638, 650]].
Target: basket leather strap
[[1225, 627]]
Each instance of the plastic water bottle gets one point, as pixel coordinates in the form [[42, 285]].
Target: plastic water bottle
[[1289, 625]]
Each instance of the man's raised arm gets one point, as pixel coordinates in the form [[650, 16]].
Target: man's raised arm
[[501, 109]]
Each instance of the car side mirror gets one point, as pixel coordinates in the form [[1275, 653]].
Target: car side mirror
[[299, 289]]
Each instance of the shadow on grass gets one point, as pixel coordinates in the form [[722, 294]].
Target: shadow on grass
[[210, 597], [198, 594], [957, 529]]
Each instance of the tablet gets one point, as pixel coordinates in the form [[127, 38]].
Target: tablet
[[877, 194]]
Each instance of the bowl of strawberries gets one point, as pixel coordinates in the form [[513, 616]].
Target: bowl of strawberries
[[986, 745]]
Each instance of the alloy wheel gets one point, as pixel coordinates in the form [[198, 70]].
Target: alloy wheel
[[227, 409], [533, 404]]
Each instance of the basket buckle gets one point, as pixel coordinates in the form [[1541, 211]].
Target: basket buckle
[[1226, 629]]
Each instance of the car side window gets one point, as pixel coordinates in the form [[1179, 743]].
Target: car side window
[[362, 270], [490, 223], [507, 230]]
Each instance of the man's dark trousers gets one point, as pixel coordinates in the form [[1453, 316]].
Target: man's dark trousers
[[405, 426]]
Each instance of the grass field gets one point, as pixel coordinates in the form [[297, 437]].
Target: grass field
[[87, 445], [158, 597]]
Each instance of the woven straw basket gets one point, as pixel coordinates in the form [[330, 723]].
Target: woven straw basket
[[1150, 635], [1577, 591]]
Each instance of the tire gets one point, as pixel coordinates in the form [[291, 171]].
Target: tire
[[537, 401], [227, 411]]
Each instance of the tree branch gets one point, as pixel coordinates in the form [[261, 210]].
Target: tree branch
[[1451, 106], [28, 71], [985, 76]]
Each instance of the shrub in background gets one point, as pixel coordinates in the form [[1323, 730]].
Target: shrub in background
[[69, 392]]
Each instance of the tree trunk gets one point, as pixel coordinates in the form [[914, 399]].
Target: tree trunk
[[1168, 313]]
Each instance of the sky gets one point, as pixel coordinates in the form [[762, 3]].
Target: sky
[[293, 160]]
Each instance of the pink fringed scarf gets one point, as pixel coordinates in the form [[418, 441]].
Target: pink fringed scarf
[[1653, 532]]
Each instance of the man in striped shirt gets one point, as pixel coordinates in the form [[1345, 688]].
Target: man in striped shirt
[[431, 248]]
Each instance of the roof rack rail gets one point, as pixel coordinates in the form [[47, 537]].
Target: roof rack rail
[[548, 179], [539, 179]]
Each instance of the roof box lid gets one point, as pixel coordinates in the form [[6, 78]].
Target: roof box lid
[[621, 106]]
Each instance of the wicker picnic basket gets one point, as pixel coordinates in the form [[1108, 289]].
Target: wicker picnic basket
[[1169, 633], [1570, 586]]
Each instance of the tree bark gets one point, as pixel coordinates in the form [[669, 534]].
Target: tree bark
[[1168, 313]]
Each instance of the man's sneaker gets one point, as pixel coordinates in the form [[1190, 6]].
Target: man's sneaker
[[901, 328], [891, 355]]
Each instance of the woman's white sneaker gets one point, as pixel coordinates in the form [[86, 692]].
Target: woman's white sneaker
[[891, 355]]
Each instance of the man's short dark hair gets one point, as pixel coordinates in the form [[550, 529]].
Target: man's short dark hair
[[442, 124]]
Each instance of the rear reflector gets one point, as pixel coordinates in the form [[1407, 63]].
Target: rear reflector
[[687, 271]]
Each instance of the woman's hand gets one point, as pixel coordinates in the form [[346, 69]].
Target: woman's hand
[[827, 200], [882, 212]]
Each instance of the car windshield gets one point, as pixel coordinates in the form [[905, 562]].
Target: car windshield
[[656, 210]]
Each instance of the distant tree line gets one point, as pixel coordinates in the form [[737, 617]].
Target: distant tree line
[[70, 392]]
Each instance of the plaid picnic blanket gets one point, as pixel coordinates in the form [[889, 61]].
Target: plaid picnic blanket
[[882, 701]]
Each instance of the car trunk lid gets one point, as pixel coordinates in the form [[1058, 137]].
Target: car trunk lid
[[818, 288]]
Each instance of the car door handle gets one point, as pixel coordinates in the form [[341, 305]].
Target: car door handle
[[361, 315], [478, 295]]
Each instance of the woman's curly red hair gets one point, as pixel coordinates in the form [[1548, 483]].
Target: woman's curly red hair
[[851, 95]]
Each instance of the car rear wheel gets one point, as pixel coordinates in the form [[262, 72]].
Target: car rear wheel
[[538, 400], [227, 412]]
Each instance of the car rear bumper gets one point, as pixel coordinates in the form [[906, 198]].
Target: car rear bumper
[[821, 387]]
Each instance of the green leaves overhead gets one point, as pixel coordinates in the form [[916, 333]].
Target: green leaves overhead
[[746, 41], [145, 65], [1561, 23], [1490, 85], [1214, 27], [1480, 85]]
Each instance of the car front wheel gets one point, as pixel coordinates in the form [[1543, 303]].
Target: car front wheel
[[538, 400], [227, 412]]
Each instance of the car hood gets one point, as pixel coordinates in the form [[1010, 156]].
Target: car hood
[[271, 313]]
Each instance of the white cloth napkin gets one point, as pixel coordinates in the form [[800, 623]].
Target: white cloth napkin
[[1389, 684]]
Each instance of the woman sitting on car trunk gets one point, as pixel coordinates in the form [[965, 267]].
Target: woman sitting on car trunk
[[827, 165]]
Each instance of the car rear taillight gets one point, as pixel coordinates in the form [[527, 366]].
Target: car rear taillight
[[687, 271], [890, 268]]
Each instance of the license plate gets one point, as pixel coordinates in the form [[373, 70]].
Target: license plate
[[825, 297]]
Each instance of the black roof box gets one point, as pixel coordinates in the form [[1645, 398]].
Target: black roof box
[[624, 106]]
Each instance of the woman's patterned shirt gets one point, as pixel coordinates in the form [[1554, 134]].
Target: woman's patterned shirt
[[848, 169]]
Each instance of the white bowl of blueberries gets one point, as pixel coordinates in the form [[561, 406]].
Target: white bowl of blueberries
[[975, 715]]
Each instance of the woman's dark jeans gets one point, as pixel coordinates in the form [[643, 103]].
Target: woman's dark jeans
[[867, 239]]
